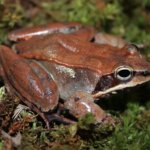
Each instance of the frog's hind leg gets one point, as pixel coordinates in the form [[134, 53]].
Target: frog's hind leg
[[59, 27], [33, 86], [10, 88], [86, 33], [47, 118]]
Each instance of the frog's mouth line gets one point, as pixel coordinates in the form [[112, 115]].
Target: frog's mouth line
[[121, 86]]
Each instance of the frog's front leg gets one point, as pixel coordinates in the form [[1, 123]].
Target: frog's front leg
[[81, 103]]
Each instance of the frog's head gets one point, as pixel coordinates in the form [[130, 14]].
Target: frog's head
[[127, 70]]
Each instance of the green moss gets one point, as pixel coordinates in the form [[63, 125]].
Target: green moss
[[1, 144], [128, 19]]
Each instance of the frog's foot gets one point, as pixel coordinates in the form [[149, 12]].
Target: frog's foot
[[55, 117], [109, 119]]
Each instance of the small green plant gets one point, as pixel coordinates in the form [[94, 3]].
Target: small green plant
[[1, 144], [84, 123], [2, 93]]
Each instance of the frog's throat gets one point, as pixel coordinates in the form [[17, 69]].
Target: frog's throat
[[119, 87]]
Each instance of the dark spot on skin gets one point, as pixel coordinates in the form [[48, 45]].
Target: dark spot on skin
[[92, 40], [18, 51], [48, 77], [76, 99]]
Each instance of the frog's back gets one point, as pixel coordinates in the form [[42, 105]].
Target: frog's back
[[69, 51]]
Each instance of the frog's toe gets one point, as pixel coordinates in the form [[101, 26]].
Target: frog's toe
[[119, 121], [109, 119], [55, 117]]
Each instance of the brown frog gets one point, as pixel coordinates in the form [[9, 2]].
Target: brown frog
[[50, 65]]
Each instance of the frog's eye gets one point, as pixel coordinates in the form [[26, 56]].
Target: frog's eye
[[123, 73], [136, 47]]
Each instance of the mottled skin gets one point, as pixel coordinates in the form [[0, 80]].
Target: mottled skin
[[50, 65]]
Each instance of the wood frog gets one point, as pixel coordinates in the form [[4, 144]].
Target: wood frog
[[72, 62]]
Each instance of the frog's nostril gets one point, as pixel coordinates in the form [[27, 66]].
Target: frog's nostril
[[76, 99]]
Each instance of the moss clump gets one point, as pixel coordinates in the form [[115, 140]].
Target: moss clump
[[128, 19]]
